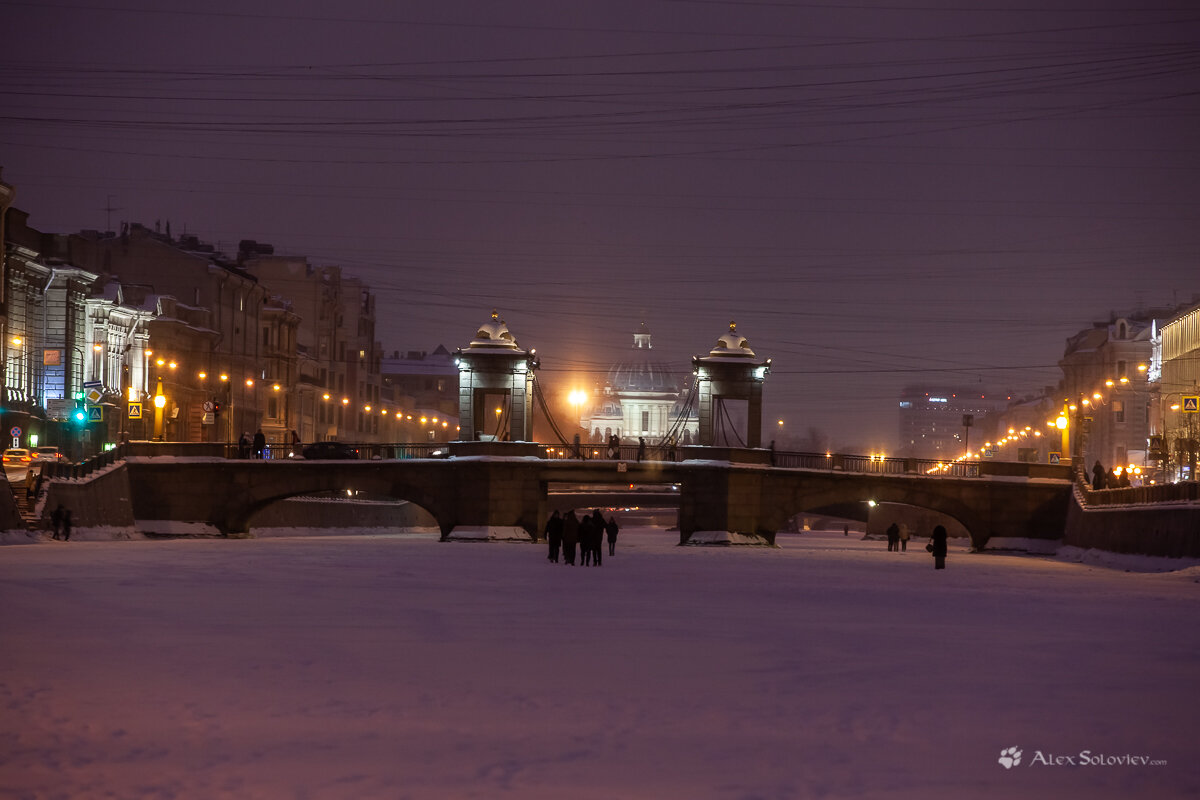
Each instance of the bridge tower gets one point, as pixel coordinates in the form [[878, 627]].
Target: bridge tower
[[495, 386], [730, 371]]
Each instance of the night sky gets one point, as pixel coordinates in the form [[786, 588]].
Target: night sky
[[879, 193]]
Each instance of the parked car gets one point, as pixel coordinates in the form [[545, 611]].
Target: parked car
[[47, 453], [17, 456], [329, 450]]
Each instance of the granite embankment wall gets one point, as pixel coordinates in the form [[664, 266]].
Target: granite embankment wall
[[1170, 529]]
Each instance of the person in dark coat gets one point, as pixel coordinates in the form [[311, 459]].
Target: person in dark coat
[[570, 536], [1124, 481], [597, 537], [893, 536], [611, 529], [1099, 477], [260, 444], [937, 546], [641, 454], [554, 532], [585, 540], [66, 524], [244, 446], [56, 519]]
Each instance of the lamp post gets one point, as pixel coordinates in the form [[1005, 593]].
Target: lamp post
[[18, 378], [160, 402]]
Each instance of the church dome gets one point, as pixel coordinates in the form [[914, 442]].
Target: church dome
[[640, 372]]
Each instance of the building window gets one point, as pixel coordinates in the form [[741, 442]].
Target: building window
[[1119, 410], [645, 421], [273, 408]]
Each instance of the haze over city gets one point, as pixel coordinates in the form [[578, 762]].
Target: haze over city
[[880, 194]]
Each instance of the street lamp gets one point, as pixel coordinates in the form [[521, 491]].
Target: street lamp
[[160, 402], [18, 378]]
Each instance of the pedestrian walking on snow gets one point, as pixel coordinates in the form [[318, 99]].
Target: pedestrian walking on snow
[[937, 547], [598, 527], [554, 533], [611, 529], [904, 536], [56, 520], [585, 540], [893, 537], [570, 537]]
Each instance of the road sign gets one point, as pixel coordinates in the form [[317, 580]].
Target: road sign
[[135, 410], [207, 419], [1191, 405], [1054, 458], [95, 413], [15, 432], [208, 406], [93, 394]]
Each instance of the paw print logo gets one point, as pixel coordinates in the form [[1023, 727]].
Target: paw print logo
[[1010, 757]]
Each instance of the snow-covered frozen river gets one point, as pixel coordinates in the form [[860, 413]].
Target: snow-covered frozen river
[[402, 667]]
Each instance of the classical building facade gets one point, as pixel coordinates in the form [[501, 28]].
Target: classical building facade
[[641, 397], [1175, 381], [334, 385], [46, 365], [1106, 390], [423, 386]]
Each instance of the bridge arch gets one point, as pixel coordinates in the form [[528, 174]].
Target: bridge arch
[[258, 498], [791, 494]]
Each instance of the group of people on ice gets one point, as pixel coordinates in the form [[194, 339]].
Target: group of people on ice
[[587, 534]]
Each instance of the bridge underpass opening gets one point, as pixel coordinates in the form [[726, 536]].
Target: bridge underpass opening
[[633, 504], [349, 511], [920, 521]]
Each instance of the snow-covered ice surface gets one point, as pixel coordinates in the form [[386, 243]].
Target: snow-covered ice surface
[[402, 667]]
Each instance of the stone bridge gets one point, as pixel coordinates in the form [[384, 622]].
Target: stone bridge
[[478, 496]]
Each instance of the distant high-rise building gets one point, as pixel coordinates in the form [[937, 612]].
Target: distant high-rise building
[[932, 417]]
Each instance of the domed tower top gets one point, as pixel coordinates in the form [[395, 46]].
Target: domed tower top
[[732, 345], [493, 335], [639, 372]]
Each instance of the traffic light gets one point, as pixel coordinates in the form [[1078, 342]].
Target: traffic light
[[79, 415], [216, 408]]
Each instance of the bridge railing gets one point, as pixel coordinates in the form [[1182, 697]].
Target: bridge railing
[[838, 462], [64, 469], [366, 452], [1182, 492], [879, 465]]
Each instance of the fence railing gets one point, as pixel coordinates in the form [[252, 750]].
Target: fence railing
[[836, 462], [1182, 492]]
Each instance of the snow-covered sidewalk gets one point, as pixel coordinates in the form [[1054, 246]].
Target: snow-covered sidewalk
[[400, 666]]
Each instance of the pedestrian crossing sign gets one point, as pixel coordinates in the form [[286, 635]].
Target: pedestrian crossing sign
[[1191, 405], [135, 410], [95, 414]]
